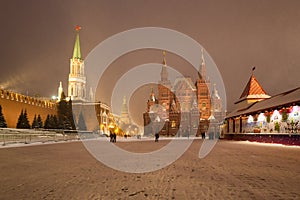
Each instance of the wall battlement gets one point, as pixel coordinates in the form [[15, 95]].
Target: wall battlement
[[5, 94], [13, 103]]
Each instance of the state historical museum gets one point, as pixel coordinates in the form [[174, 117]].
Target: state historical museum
[[184, 108]]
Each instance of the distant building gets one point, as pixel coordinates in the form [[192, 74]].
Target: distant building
[[124, 121], [125, 118], [186, 107]]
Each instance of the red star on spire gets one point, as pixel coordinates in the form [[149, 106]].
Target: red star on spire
[[77, 28]]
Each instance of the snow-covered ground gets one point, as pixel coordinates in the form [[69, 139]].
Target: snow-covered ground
[[10, 137]]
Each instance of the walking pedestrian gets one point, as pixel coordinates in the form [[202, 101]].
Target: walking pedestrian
[[156, 137]]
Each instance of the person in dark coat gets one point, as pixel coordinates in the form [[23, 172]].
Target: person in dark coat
[[156, 137], [203, 135], [115, 137], [111, 136]]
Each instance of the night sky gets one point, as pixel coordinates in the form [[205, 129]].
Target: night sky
[[37, 38]]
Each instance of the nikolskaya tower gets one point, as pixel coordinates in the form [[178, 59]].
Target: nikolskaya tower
[[77, 79]]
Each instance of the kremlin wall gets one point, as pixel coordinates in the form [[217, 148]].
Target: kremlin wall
[[13, 103]]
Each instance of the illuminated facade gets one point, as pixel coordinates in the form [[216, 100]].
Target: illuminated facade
[[183, 108], [124, 122]]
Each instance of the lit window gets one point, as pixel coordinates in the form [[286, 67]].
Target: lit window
[[173, 124]]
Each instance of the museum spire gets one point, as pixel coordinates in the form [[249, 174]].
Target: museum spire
[[202, 69], [164, 72]]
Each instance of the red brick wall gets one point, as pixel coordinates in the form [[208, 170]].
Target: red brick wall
[[11, 110]]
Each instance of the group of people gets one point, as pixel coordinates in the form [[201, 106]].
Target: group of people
[[113, 136]]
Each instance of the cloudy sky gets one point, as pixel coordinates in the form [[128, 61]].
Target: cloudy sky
[[37, 38]]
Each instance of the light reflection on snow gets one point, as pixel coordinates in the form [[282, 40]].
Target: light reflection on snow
[[268, 144]]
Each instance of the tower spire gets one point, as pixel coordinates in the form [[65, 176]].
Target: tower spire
[[77, 79], [202, 57], [152, 95], [202, 68], [76, 51], [60, 91], [124, 109], [164, 72], [124, 112], [164, 58]]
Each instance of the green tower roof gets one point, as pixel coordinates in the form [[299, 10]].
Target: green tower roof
[[76, 51]]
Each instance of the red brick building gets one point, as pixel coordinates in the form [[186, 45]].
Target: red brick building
[[183, 108]]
